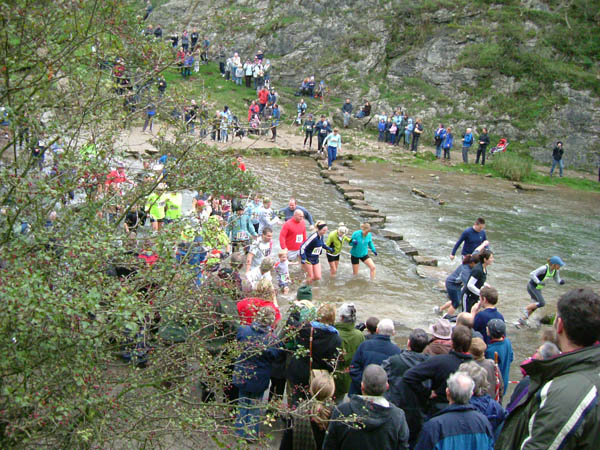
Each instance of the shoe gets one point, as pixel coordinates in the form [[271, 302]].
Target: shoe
[[525, 314], [436, 310], [329, 168], [522, 323]]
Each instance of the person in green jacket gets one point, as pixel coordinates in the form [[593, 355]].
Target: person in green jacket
[[351, 339], [562, 406], [155, 206], [361, 241], [336, 240]]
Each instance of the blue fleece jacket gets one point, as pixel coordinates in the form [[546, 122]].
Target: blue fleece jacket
[[361, 244], [468, 140]]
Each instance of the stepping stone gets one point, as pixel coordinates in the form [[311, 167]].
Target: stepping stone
[[391, 235], [339, 180], [408, 249], [363, 207], [375, 221], [425, 261], [370, 214], [354, 195], [350, 188], [433, 273]]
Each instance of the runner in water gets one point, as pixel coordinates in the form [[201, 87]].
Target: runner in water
[[455, 283], [472, 237], [252, 209], [293, 234], [361, 241], [477, 280], [266, 216], [537, 282], [260, 249], [292, 206], [239, 229], [310, 251], [336, 240]]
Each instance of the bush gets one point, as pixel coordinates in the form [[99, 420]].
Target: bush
[[512, 166]]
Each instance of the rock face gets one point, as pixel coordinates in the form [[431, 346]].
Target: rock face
[[442, 61]]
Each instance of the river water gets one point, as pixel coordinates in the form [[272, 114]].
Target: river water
[[524, 230]]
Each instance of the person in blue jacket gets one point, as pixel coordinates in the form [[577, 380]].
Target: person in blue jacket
[[310, 251], [467, 141], [447, 143], [252, 371], [361, 241], [473, 237], [239, 229]]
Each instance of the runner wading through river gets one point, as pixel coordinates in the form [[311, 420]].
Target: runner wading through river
[[336, 240], [477, 280], [311, 251], [361, 241]]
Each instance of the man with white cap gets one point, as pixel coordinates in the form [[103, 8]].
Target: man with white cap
[[336, 240]]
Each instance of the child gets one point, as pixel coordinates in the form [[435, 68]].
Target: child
[[388, 125], [282, 271], [500, 345], [259, 273], [536, 283], [381, 128], [393, 133]]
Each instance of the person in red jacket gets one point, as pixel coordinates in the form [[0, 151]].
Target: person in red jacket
[[253, 109], [293, 234], [265, 296], [263, 97]]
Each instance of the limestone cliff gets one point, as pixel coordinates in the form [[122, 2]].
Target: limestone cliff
[[528, 70]]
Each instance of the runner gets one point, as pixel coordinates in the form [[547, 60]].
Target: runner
[[477, 280], [309, 125], [155, 207], [239, 229], [266, 216], [292, 206], [536, 283], [334, 145], [455, 284], [310, 251], [323, 129], [336, 240], [252, 209], [472, 237], [361, 242], [293, 234], [260, 249]]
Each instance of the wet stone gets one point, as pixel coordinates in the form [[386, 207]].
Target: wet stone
[[425, 261], [391, 235], [354, 195]]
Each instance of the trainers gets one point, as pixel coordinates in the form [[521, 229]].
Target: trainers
[[521, 323], [436, 310], [525, 313]]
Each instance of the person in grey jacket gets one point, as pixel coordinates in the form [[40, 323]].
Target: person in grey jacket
[[347, 111]]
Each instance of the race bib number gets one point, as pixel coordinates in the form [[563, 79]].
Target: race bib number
[[309, 128], [241, 236], [317, 251], [299, 238]]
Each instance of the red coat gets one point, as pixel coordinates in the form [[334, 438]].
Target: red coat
[[263, 96], [254, 109], [248, 307], [292, 235]]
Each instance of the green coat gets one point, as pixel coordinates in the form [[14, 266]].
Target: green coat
[[562, 408], [351, 339]]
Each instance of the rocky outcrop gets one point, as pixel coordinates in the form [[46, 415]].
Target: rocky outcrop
[[432, 58]]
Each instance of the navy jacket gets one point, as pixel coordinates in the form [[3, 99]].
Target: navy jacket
[[252, 371], [289, 213], [457, 427], [373, 351]]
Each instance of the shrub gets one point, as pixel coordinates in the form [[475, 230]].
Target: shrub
[[512, 166]]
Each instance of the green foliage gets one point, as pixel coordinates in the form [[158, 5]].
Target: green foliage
[[512, 166]]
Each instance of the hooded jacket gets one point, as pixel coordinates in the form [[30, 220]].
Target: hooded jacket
[[351, 340], [562, 408], [491, 409], [381, 427], [374, 351]]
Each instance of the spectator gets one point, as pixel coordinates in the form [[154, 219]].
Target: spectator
[[460, 425], [495, 383], [500, 345], [398, 393], [447, 143], [351, 340], [562, 409], [481, 400], [438, 138], [467, 319], [437, 369], [486, 310], [365, 111], [321, 343], [253, 370], [441, 343], [484, 141], [373, 351], [417, 131], [371, 326], [467, 141], [347, 112], [383, 425], [264, 297], [557, 158]]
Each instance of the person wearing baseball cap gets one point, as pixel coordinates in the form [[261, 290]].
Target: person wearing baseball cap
[[500, 349], [537, 282]]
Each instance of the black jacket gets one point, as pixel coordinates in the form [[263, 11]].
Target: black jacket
[[485, 139], [557, 153], [378, 427], [325, 350]]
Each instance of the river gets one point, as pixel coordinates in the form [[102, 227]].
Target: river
[[524, 229]]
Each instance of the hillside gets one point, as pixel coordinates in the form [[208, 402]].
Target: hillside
[[528, 70]]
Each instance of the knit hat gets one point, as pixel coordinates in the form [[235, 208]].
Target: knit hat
[[304, 293], [557, 260], [442, 329], [496, 328]]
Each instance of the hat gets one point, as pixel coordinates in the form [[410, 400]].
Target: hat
[[442, 329], [304, 293], [497, 328], [557, 260]]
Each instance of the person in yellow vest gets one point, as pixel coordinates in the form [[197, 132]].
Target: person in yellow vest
[[155, 206], [173, 202], [537, 282]]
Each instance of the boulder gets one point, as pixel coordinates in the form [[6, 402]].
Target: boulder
[[391, 235], [425, 261]]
